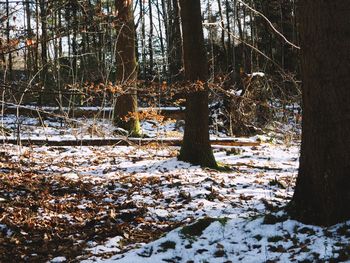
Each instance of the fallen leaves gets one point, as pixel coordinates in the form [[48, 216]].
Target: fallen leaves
[[57, 201], [43, 210]]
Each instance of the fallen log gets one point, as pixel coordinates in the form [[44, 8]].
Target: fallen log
[[259, 167], [121, 141], [88, 112]]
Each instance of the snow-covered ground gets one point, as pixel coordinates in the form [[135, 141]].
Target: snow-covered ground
[[77, 129], [140, 204], [245, 240]]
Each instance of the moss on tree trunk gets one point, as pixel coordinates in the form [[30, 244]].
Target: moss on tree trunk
[[126, 115], [125, 118]]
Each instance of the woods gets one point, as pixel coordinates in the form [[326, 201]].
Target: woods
[[174, 131]]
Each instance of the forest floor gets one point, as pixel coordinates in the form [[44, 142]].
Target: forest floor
[[140, 204]]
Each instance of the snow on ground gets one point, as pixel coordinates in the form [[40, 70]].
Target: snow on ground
[[245, 240], [140, 204], [78, 128]]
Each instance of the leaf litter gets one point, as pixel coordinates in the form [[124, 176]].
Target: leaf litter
[[138, 204]]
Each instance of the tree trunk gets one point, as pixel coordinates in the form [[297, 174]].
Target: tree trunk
[[174, 42], [46, 94], [29, 37], [227, 56], [75, 28], [126, 105], [196, 148], [211, 40], [322, 193], [143, 39], [162, 49], [150, 40], [229, 32], [8, 29]]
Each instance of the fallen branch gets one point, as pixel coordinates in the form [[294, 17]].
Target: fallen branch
[[266, 168], [169, 112], [121, 141]]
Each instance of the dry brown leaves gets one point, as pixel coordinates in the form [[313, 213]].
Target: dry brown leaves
[[49, 215]]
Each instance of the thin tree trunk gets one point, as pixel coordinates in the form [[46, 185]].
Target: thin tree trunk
[[161, 40], [233, 55], [228, 28], [174, 45], [167, 36], [282, 31], [211, 42], [37, 22], [143, 39], [150, 39], [44, 98], [223, 44], [29, 39], [9, 64]]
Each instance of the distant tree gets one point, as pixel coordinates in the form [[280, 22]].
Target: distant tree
[[174, 41], [8, 37], [322, 193], [196, 147], [150, 39], [126, 115], [29, 36], [45, 96], [281, 14]]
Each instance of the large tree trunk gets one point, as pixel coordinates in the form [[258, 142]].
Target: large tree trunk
[[126, 115], [322, 194], [196, 147]]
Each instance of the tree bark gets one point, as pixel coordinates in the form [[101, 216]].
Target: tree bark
[[75, 27], [229, 45], [143, 40], [46, 96], [174, 42], [8, 29], [227, 56], [29, 37], [161, 41], [322, 193], [196, 147], [150, 40], [126, 106]]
